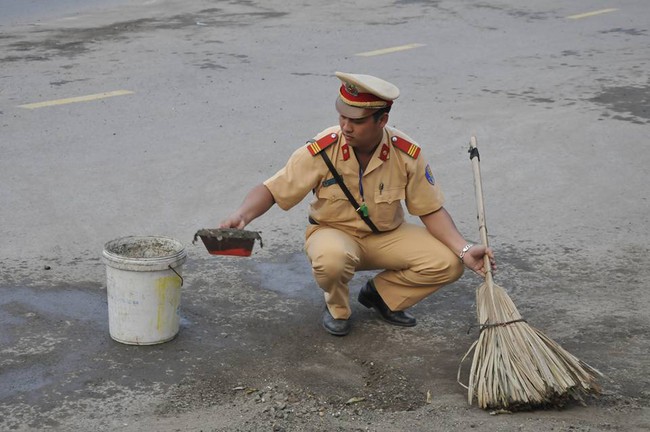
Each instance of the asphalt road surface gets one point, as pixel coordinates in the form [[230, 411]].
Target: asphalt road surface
[[156, 117]]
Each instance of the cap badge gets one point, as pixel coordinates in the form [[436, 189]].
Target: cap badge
[[352, 89]]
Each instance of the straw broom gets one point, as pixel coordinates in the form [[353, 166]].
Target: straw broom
[[515, 366]]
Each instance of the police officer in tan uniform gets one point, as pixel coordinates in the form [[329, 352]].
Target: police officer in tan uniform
[[356, 215]]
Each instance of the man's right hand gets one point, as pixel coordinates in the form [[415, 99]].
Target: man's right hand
[[235, 220], [256, 203]]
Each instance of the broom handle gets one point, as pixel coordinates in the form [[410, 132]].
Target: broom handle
[[478, 190]]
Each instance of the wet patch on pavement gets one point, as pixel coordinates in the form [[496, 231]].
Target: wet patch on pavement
[[632, 103], [424, 2], [208, 64], [296, 280], [528, 15], [528, 95], [71, 42], [629, 32], [64, 82], [531, 15]]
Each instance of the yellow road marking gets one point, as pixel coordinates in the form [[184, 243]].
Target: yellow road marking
[[76, 99], [390, 50], [590, 14]]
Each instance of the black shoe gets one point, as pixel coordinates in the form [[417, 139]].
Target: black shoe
[[337, 327], [370, 298]]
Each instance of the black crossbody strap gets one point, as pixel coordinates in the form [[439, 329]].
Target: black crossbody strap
[[347, 193]]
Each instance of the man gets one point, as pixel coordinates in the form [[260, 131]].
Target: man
[[356, 216]]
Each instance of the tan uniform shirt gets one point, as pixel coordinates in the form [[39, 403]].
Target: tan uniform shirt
[[392, 176]]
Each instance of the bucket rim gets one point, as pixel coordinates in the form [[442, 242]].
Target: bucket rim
[[178, 246]]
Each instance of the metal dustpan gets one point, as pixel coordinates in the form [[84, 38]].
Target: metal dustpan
[[228, 241]]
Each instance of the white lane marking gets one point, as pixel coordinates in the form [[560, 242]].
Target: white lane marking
[[85, 98], [390, 50], [590, 14]]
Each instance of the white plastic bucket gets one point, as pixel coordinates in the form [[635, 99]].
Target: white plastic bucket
[[143, 284]]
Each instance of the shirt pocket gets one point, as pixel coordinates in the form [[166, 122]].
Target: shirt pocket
[[388, 207], [332, 205]]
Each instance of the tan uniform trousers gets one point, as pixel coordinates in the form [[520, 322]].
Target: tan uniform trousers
[[415, 265]]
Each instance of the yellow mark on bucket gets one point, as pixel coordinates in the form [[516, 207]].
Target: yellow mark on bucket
[[390, 50], [590, 14], [86, 98], [167, 289]]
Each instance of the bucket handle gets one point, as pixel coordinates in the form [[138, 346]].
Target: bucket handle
[[172, 269]]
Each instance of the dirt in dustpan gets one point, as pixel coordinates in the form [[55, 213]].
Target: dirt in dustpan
[[228, 241]]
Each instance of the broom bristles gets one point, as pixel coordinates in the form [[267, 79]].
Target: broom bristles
[[515, 366]]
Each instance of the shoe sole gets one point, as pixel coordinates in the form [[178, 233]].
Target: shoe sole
[[396, 323]]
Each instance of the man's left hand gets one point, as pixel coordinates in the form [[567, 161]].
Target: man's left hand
[[474, 261]]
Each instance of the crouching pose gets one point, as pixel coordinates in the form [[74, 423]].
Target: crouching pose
[[360, 172]]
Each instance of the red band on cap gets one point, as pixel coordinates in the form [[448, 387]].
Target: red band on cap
[[363, 100]]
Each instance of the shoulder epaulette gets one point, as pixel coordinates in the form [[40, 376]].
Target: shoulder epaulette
[[316, 146], [406, 146]]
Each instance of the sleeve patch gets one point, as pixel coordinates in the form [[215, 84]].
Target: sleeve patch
[[429, 174]]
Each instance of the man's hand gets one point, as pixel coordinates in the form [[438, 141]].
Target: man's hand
[[256, 203], [441, 226], [474, 261], [235, 220]]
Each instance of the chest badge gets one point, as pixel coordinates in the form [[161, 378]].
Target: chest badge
[[345, 150], [383, 155]]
